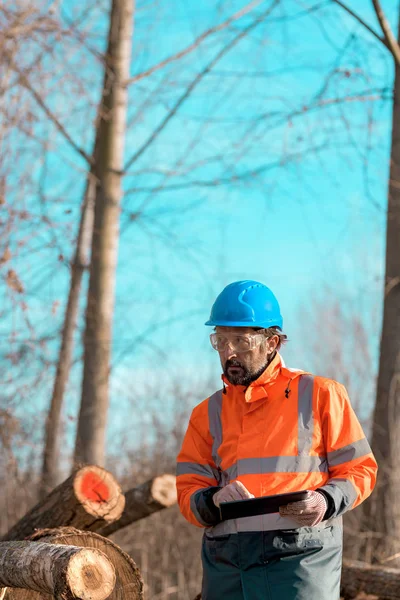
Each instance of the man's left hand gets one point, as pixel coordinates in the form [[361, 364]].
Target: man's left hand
[[306, 512]]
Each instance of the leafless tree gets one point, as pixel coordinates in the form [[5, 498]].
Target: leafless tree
[[381, 512], [162, 92], [90, 441]]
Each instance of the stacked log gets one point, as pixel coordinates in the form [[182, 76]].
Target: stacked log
[[127, 579], [89, 499], [66, 559], [58, 527], [140, 502], [65, 572], [358, 577]]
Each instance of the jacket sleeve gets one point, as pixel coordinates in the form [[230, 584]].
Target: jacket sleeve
[[197, 475], [351, 465]]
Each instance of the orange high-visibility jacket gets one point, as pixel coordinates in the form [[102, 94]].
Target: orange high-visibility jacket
[[288, 431]]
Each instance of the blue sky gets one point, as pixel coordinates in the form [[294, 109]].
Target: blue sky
[[309, 224]]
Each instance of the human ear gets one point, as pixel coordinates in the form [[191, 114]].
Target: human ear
[[272, 343]]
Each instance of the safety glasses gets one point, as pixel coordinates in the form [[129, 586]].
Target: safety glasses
[[238, 342]]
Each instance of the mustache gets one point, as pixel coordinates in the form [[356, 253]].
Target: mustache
[[233, 363]]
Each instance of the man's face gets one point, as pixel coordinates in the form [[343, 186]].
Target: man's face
[[241, 368]]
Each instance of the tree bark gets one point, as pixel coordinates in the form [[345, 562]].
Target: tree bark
[[382, 511], [142, 501], [128, 581], [359, 577], [89, 499], [80, 262], [65, 572], [90, 440]]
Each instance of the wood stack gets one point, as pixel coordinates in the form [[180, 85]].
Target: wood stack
[[54, 550], [65, 572], [142, 501], [89, 499], [359, 578]]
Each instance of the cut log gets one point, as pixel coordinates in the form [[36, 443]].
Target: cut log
[[89, 499], [378, 581], [128, 581], [142, 501], [65, 572]]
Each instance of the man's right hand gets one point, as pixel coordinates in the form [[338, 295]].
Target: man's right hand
[[231, 492]]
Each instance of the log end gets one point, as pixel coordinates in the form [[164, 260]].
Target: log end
[[90, 575], [163, 490], [99, 493]]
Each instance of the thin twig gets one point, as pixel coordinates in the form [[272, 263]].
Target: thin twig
[[392, 283], [197, 80], [397, 555], [388, 34], [238, 15], [25, 82], [231, 179], [362, 22]]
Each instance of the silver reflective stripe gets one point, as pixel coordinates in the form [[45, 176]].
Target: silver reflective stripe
[[215, 425], [193, 507], [347, 488], [232, 472], [278, 464], [343, 492], [305, 417], [188, 468], [271, 522], [348, 453]]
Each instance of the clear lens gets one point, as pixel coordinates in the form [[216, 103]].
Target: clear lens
[[238, 342]]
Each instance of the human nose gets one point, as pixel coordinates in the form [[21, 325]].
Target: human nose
[[229, 351]]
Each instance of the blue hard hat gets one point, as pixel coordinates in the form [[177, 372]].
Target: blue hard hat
[[246, 304]]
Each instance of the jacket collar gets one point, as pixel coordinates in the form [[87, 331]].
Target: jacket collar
[[259, 388]]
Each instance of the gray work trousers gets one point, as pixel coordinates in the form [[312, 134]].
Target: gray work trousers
[[296, 564]]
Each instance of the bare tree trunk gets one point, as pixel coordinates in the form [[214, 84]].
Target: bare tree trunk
[[81, 261], [90, 439], [65, 572], [382, 511]]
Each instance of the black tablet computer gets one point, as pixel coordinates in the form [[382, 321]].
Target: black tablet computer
[[252, 507]]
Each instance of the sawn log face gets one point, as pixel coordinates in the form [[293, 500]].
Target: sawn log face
[[128, 583], [89, 499], [64, 572]]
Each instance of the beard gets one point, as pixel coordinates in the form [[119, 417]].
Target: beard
[[246, 376]]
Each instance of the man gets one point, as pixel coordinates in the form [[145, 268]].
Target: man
[[270, 430]]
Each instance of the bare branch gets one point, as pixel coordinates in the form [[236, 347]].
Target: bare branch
[[362, 22], [26, 83], [197, 80], [240, 13], [232, 179], [389, 36]]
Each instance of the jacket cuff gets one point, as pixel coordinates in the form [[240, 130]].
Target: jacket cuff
[[340, 495], [330, 504], [204, 508]]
